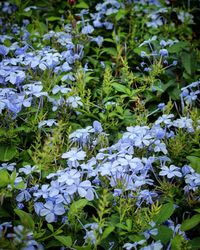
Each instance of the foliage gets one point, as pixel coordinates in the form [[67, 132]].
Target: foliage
[[99, 128]]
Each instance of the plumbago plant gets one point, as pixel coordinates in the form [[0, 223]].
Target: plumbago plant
[[99, 128]]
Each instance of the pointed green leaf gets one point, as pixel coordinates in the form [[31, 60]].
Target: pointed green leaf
[[164, 214], [107, 231], [194, 162], [4, 178], [120, 87], [53, 18], [50, 227], [77, 206], [65, 240], [7, 152], [190, 223], [25, 218], [176, 243], [82, 5], [187, 62], [164, 234], [194, 243]]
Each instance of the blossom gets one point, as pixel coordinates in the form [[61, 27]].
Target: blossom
[[97, 127], [129, 246], [66, 67], [161, 106], [83, 188], [163, 52], [4, 50], [170, 171], [154, 246], [88, 29], [146, 196], [69, 177], [74, 101], [61, 89], [74, 156], [49, 123], [51, 210], [44, 192], [152, 231], [8, 166], [27, 169], [23, 195]]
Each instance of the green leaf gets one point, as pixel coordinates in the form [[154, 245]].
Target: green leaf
[[174, 93], [83, 248], [196, 152], [187, 62], [176, 243], [194, 243], [50, 227], [122, 226], [194, 162], [25, 218], [120, 14], [120, 87], [4, 178], [164, 214], [129, 224], [110, 51], [177, 47], [190, 223], [53, 18], [77, 206], [53, 244], [82, 5], [197, 210], [65, 240], [7, 152], [13, 176], [107, 231], [4, 213], [158, 88], [136, 237], [164, 234]]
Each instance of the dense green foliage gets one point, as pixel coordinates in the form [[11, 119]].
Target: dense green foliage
[[99, 124]]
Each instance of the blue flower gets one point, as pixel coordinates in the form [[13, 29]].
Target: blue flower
[[161, 106], [85, 190], [146, 196], [98, 40], [170, 171], [66, 67], [164, 52], [69, 177], [49, 123], [50, 211], [8, 166], [166, 119], [74, 156], [74, 101], [4, 50], [184, 122], [38, 206], [88, 29], [154, 246], [56, 188], [23, 195], [61, 89], [43, 192], [152, 231], [97, 127], [129, 246], [27, 169]]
